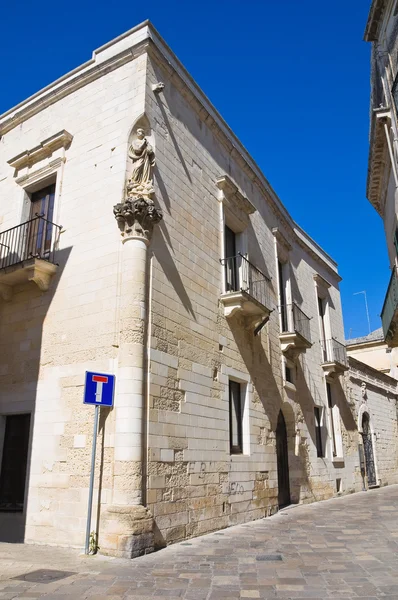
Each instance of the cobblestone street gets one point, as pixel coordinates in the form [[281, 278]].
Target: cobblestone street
[[343, 548]]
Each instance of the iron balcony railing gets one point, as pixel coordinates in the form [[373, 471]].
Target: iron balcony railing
[[242, 275], [334, 351], [293, 319], [390, 307], [37, 238]]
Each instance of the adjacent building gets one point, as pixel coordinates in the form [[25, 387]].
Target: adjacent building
[[372, 350], [381, 31], [139, 238]]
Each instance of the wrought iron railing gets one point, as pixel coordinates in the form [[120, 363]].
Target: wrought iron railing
[[334, 351], [242, 275], [389, 307], [37, 238], [294, 319]]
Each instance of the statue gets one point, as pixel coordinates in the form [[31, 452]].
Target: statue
[[143, 157], [137, 214]]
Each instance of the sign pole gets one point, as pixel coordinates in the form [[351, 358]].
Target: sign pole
[[91, 486]]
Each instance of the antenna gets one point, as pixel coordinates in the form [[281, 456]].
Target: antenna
[[366, 306]]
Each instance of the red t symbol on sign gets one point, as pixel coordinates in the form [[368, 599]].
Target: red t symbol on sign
[[99, 380]]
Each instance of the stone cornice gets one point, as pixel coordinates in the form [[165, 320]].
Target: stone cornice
[[231, 191], [374, 20], [321, 282], [378, 158], [144, 37], [161, 53], [281, 238], [66, 85], [360, 371], [62, 139]]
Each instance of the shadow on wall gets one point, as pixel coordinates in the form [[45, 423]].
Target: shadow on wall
[[261, 373], [162, 253], [21, 326]]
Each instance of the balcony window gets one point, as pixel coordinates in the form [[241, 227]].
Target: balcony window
[[248, 290], [334, 355], [230, 264], [297, 337]]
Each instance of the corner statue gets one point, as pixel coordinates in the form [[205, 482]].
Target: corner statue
[[143, 157]]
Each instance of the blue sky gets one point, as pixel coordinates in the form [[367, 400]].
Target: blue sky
[[291, 79]]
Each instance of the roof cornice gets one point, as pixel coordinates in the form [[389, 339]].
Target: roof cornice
[[374, 20], [145, 38]]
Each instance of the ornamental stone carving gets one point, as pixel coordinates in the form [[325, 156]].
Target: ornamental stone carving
[[137, 215], [143, 158]]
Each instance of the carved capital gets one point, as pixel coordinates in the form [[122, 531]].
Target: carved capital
[[136, 217]]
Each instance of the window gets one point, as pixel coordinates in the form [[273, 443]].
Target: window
[[40, 227], [321, 312], [288, 374], [14, 462], [282, 296], [231, 271], [235, 418], [318, 431], [332, 424]]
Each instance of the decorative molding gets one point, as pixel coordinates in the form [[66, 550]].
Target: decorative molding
[[321, 282], [231, 193], [62, 139], [136, 218], [281, 239], [40, 174], [78, 79], [378, 158]]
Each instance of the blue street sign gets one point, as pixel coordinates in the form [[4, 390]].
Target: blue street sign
[[99, 389]]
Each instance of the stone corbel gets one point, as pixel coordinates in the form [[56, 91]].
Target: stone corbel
[[41, 273]]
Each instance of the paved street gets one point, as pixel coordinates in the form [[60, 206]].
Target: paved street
[[343, 548]]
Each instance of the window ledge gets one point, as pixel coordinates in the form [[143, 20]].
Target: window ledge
[[289, 386], [338, 460]]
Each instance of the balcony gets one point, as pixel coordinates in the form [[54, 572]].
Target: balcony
[[295, 336], [389, 313], [335, 359], [27, 253], [248, 290]]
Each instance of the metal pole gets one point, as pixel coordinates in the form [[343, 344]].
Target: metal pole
[[91, 486]]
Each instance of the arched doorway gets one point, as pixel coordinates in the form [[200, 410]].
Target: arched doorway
[[283, 462], [368, 450]]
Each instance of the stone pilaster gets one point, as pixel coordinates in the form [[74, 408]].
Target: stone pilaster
[[128, 524]]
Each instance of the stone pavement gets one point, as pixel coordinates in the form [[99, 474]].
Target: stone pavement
[[342, 548]]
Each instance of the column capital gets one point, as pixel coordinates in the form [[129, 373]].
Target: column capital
[[136, 217]]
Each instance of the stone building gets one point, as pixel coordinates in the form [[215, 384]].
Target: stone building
[[139, 238], [381, 31], [372, 350]]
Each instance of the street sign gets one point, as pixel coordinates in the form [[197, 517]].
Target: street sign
[[99, 389]]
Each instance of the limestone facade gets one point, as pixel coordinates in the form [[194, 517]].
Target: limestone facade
[[382, 181], [233, 389]]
